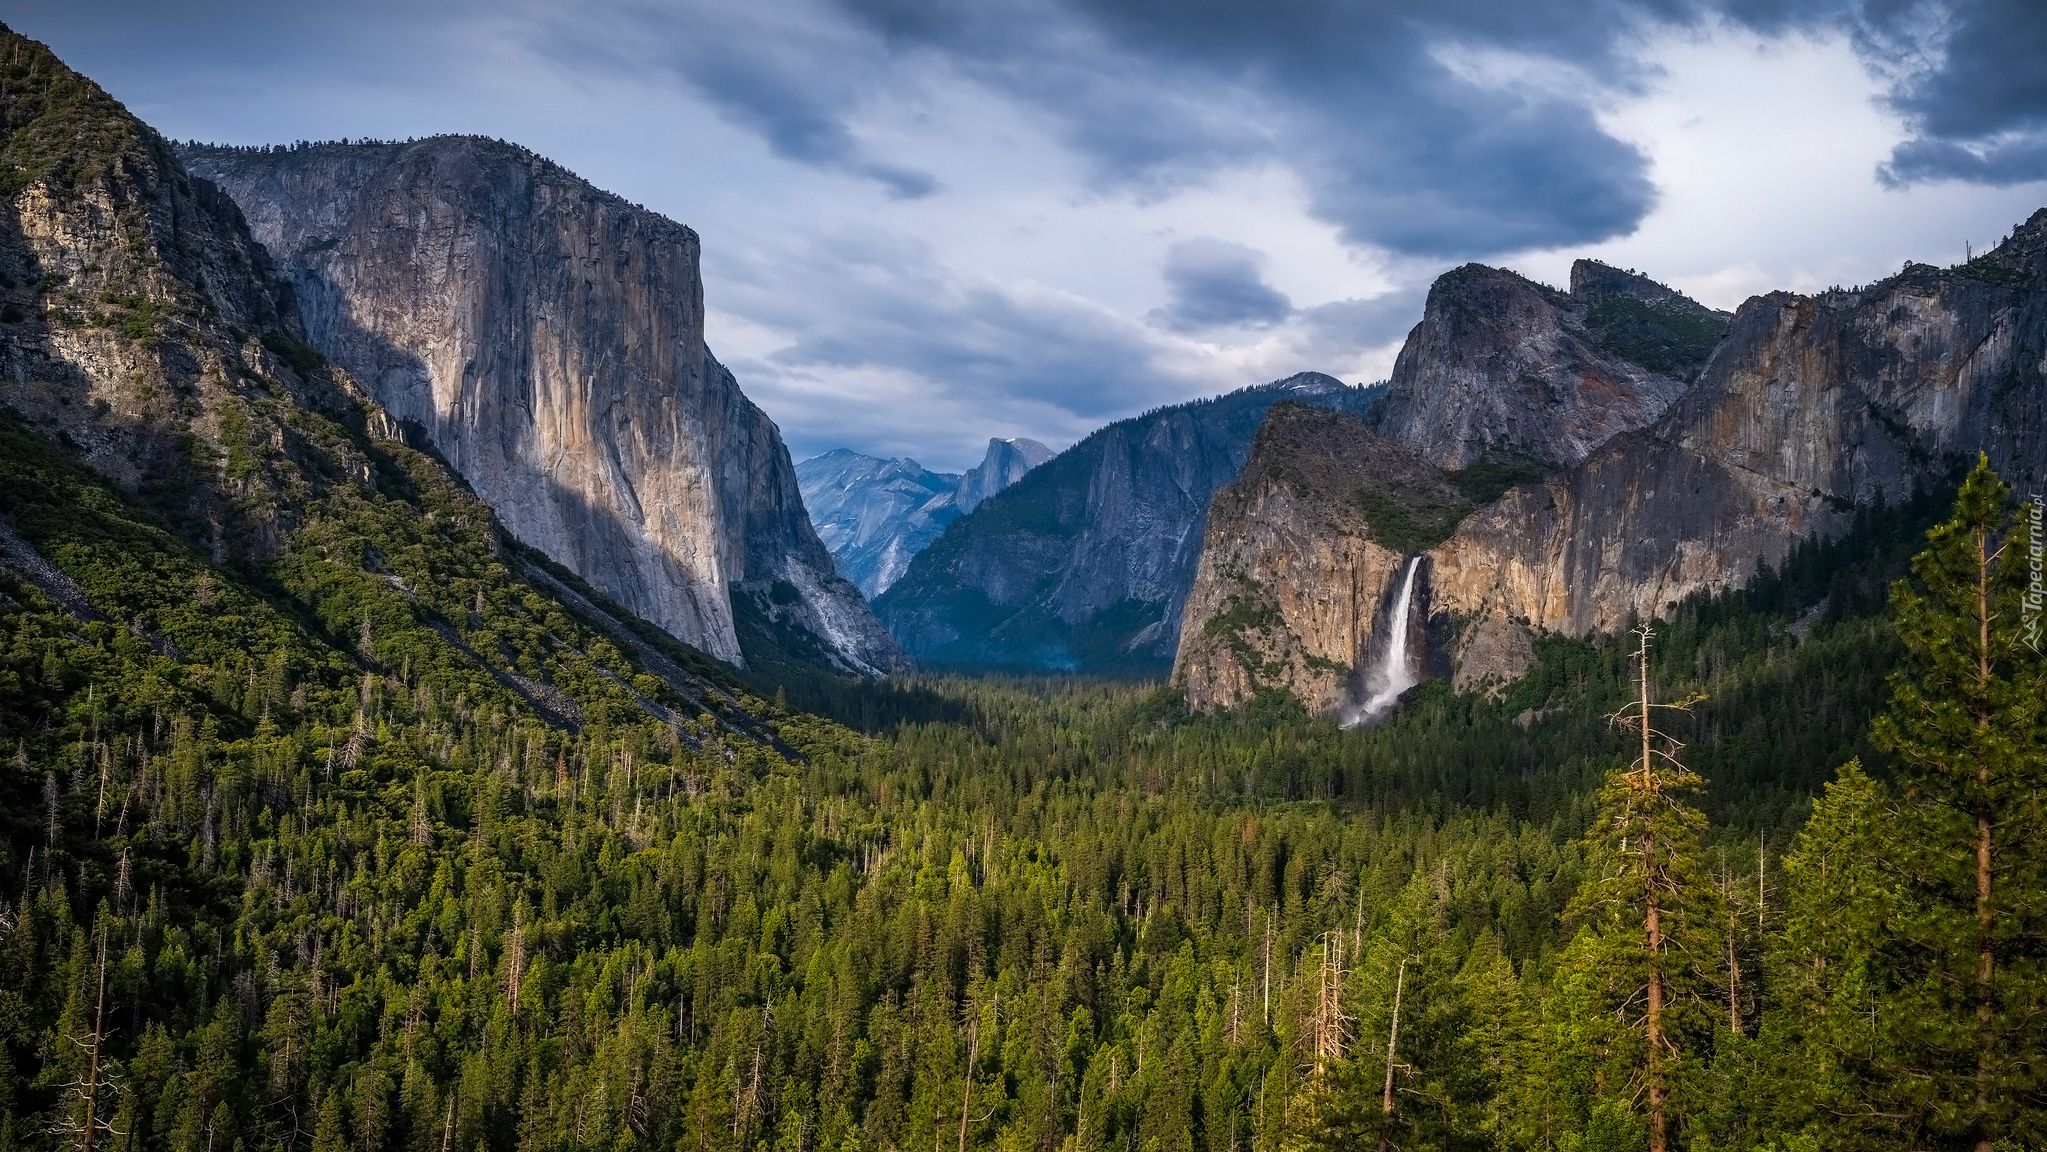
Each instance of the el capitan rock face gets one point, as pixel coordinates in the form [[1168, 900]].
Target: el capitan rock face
[[1501, 365], [548, 338], [1808, 407]]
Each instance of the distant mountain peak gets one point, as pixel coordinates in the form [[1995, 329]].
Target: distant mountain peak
[[1005, 463], [1083, 565], [875, 515]]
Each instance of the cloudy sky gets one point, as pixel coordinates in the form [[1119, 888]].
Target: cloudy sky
[[928, 222]]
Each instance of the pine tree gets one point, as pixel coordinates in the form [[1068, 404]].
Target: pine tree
[[1918, 931], [1651, 915]]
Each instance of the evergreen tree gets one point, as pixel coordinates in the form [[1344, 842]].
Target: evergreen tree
[[1648, 953], [1917, 939]]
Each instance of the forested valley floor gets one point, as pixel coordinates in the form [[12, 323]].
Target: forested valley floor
[[284, 868]]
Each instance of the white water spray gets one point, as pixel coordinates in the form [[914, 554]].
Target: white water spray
[[1396, 673]]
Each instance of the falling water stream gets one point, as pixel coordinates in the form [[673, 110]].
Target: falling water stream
[[1396, 674]]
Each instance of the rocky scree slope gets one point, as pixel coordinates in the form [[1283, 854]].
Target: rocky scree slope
[[169, 434], [1809, 407], [1501, 366], [548, 340], [874, 515], [1084, 564]]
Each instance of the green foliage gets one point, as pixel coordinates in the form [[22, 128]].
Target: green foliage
[[365, 894], [1673, 340], [57, 126], [1407, 521], [302, 357], [1647, 962], [1495, 473], [1918, 936]]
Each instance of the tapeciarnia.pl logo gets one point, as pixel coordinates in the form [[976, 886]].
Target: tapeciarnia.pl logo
[[2036, 589]]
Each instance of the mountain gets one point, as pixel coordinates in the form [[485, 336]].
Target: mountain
[[1003, 464], [1809, 411], [874, 515], [222, 534], [1501, 365], [1300, 504], [1084, 563], [547, 340]]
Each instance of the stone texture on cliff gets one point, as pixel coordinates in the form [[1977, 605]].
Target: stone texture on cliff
[[142, 328], [1292, 580], [1502, 365], [1812, 405], [1085, 563], [548, 339], [1808, 407]]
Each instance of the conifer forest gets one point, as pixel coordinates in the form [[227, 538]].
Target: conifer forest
[[280, 872], [338, 815]]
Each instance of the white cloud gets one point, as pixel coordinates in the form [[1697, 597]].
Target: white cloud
[[1011, 300], [1766, 152]]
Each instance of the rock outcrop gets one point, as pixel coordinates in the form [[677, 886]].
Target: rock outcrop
[[1085, 563], [1503, 366], [547, 340], [141, 327], [1811, 406], [875, 515], [1005, 463], [1251, 620], [1808, 407]]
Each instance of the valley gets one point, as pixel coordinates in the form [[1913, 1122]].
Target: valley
[[438, 712]]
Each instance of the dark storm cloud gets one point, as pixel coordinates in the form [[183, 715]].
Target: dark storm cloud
[[1216, 284], [1397, 150], [787, 72], [1395, 146], [1978, 107], [870, 300]]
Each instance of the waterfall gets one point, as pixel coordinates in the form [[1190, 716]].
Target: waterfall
[[1395, 673]]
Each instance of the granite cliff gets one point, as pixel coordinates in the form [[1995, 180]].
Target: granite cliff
[[1251, 620], [1084, 564], [172, 436], [1503, 366], [1807, 408], [874, 515], [1005, 463], [547, 340]]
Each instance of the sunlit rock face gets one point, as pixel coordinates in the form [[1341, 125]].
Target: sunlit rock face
[[1291, 583], [1807, 407], [548, 339]]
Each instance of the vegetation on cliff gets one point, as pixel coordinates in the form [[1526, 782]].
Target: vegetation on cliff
[[314, 878]]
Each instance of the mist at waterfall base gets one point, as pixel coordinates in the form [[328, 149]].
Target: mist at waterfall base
[[1395, 672]]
